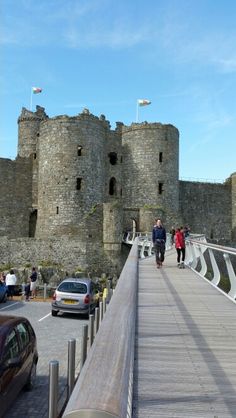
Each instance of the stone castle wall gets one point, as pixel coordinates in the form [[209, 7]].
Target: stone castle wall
[[74, 177], [85, 252], [206, 208], [15, 196]]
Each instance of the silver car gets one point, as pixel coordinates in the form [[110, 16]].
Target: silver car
[[75, 295]]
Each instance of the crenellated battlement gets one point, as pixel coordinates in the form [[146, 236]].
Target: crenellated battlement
[[28, 115], [145, 125]]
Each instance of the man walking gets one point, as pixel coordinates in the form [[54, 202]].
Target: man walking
[[159, 242]]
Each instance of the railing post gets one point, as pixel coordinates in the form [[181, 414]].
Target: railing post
[[203, 262], [96, 319], [104, 305], [142, 249], [91, 330], [53, 388], [216, 273], [195, 257], [71, 366], [84, 343], [100, 311], [232, 277], [45, 291]]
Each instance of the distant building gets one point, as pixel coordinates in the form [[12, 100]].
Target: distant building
[[76, 185]]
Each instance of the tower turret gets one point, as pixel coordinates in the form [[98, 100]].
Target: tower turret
[[28, 130]]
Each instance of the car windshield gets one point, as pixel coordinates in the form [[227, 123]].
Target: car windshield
[[72, 287]]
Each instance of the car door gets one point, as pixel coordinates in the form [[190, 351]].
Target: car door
[[26, 350], [10, 369]]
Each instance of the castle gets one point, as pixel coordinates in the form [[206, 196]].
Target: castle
[[76, 185]]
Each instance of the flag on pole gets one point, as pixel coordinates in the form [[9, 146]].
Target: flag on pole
[[144, 102], [36, 90]]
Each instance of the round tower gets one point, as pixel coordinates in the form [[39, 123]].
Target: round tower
[[28, 130], [71, 172], [151, 167]]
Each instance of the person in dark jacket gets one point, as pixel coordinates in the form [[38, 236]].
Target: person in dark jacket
[[33, 282], [159, 242]]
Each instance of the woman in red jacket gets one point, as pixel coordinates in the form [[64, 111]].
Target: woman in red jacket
[[180, 245]]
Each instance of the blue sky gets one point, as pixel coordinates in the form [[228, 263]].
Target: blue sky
[[106, 54]]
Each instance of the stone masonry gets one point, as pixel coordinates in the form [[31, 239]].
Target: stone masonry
[[76, 185]]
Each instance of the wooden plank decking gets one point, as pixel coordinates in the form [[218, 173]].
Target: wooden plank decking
[[185, 360]]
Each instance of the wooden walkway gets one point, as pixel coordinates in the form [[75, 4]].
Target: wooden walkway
[[185, 361]]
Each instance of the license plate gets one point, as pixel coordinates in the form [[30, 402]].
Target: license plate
[[70, 301]]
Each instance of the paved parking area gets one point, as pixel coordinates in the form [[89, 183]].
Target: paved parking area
[[53, 334]]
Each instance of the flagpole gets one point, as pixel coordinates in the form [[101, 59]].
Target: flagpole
[[137, 112], [31, 98]]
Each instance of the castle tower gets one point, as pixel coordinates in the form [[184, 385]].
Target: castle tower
[[71, 172], [28, 130], [151, 167]]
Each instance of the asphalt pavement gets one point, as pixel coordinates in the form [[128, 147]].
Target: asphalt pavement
[[53, 334]]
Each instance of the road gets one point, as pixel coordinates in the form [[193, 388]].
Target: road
[[52, 334]]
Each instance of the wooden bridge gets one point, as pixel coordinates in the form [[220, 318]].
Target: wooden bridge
[[166, 348], [185, 364]]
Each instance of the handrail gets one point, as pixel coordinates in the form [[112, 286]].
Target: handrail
[[200, 256], [104, 387], [145, 242]]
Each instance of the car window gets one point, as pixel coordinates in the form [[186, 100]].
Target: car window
[[73, 287], [23, 335], [11, 348]]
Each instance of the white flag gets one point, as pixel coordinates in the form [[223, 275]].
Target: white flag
[[144, 102]]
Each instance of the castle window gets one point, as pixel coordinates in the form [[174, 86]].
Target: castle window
[[35, 156], [121, 159], [57, 210], [78, 183], [121, 192], [112, 186], [160, 157], [79, 151], [113, 158], [160, 188]]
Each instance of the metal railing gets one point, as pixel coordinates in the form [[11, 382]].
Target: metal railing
[[213, 262], [104, 387], [58, 399], [145, 244]]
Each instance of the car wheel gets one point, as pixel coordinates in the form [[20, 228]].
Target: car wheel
[[32, 377], [54, 313]]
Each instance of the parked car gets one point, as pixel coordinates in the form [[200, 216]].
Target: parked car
[[3, 292], [75, 295], [18, 358]]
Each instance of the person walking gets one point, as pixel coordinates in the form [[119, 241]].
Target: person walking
[[10, 283], [33, 280], [159, 242], [172, 234], [180, 246]]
